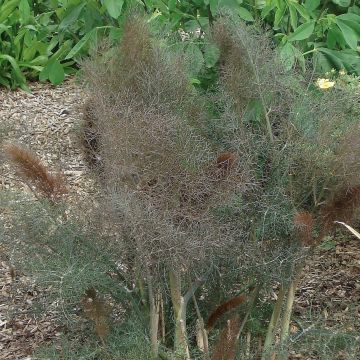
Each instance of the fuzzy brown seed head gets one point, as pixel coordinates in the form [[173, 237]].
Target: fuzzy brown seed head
[[226, 160], [224, 308], [35, 174], [226, 343]]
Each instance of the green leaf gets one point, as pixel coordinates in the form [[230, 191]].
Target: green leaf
[[114, 34], [254, 112], [334, 36], [260, 4], [245, 14], [71, 15], [211, 55], [293, 16], [114, 7], [303, 32], [172, 5], [24, 10], [349, 17], [342, 3], [231, 4], [266, 10], [301, 10], [39, 60], [214, 6], [56, 73], [290, 56], [4, 82], [287, 55], [351, 20], [37, 68], [204, 22], [15, 70], [300, 58], [354, 10], [7, 8], [7, 29], [279, 14], [161, 6], [83, 41], [349, 34], [346, 59], [194, 81], [191, 25], [62, 50], [312, 5]]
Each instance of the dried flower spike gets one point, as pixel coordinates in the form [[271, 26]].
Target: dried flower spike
[[35, 174], [224, 308]]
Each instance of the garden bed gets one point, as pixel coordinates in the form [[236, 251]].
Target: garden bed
[[47, 120]]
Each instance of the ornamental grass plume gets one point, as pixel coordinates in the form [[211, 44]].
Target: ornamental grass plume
[[224, 308], [35, 174], [226, 344]]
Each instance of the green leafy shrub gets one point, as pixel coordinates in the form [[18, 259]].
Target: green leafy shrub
[[43, 40], [325, 31], [39, 40]]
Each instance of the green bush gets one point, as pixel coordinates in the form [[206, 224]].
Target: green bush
[[44, 39], [39, 40], [326, 32]]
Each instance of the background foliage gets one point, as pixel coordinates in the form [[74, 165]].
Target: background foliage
[[43, 39]]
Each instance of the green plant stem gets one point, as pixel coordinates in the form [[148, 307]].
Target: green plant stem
[[268, 123], [310, 51], [154, 320], [141, 286], [180, 303], [251, 306], [179, 308], [202, 329], [285, 324], [287, 312], [272, 325]]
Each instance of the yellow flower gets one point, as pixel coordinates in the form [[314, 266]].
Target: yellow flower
[[325, 83]]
